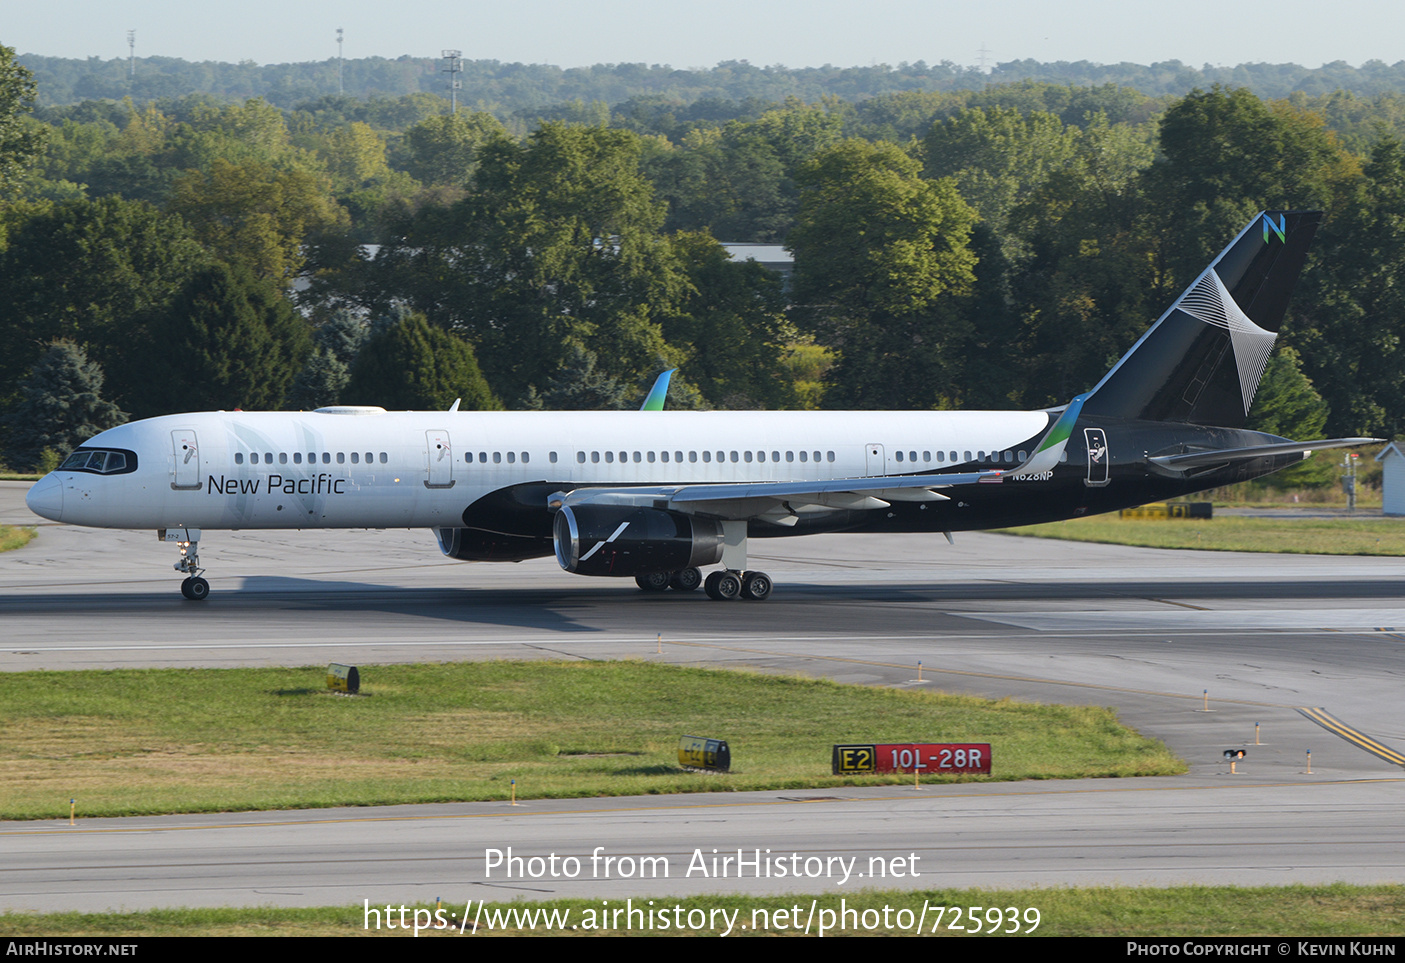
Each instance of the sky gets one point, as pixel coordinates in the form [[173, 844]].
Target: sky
[[702, 33]]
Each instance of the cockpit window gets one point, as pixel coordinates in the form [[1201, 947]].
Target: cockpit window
[[105, 461]]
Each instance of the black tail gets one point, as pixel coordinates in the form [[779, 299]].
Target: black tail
[[1201, 362]]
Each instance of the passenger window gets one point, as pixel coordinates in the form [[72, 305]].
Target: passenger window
[[580, 458], [900, 455], [678, 457], [790, 456], [356, 458], [692, 456], [297, 458], [805, 456], [817, 456], [282, 458], [651, 457], [707, 456], [734, 457], [512, 458], [912, 456], [927, 456], [746, 453], [1022, 456], [238, 459], [637, 459], [663, 455], [595, 457], [326, 457], [609, 457], [497, 458], [526, 458], [482, 458], [830, 455], [384, 458], [341, 458], [941, 456]]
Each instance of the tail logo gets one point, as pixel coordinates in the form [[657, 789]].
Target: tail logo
[[1209, 301], [1280, 229]]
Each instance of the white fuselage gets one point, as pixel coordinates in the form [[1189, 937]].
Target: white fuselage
[[233, 470]]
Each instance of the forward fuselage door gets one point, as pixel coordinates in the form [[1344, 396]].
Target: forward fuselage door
[[185, 475], [875, 464], [440, 455]]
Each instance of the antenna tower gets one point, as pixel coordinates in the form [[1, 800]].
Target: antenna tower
[[341, 87], [453, 66]]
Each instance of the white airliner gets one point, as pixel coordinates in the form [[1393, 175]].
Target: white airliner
[[657, 495]]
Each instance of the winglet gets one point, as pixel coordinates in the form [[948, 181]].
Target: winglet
[[657, 394], [455, 405]]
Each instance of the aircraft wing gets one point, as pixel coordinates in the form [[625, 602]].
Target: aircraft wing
[[1220, 456], [780, 502]]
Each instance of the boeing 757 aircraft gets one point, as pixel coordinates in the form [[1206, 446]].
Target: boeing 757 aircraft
[[657, 495]]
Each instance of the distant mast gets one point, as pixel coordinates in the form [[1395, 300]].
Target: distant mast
[[341, 86], [453, 66]]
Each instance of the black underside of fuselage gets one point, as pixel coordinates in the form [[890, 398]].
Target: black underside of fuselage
[[513, 523]]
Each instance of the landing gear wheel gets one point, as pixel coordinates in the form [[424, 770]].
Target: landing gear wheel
[[652, 582], [688, 580], [195, 588], [723, 586], [756, 586]]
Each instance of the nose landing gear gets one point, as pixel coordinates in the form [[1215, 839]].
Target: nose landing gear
[[187, 540]]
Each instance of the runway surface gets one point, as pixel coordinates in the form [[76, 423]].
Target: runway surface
[[1146, 631]]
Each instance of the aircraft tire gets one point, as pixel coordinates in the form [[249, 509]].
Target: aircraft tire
[[687, 580], [196, 589], [652, 581], [723, 586], [757, 586]]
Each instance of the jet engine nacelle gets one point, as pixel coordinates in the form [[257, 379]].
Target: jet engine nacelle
[[624, 540]]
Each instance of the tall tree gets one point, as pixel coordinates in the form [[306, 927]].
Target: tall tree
[[880, 256], [89, 271], [256, 215], [20, 142], [60, 406], [416, 366], [228, 340]]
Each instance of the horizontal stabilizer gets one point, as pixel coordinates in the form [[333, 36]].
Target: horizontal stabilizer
[[1219, 456]]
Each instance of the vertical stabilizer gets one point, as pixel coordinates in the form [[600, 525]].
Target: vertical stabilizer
[[1201, 362]]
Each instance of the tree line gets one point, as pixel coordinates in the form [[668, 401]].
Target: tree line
[[986, 248]]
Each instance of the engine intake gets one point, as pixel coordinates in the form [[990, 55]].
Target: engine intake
[[620, 541]]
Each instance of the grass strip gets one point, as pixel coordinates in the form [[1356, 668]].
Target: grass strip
[[150, 741], [1306, 536], [11, 537], [1289, 911]]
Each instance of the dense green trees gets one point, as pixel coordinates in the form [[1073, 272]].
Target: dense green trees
[[991, 246], [227, 340], [20, 140], [60, 407], [413, 365], [879, 255]]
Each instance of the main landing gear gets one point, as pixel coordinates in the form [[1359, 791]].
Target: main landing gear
[[721, 586], [187, 540], [686, 580], [727, 585]]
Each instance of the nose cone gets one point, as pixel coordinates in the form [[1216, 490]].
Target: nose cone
[[46, 498]]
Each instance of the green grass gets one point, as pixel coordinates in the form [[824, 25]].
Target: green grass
[[1311, 536], [1290, 911], [11, 537], [201, 740]]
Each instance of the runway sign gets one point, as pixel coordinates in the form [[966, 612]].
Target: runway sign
[[698, 753], [920, 757]]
